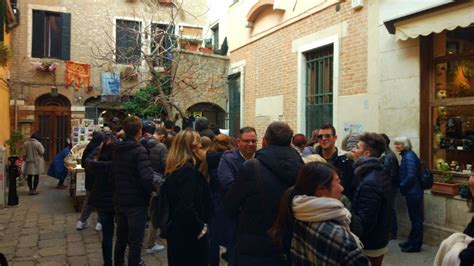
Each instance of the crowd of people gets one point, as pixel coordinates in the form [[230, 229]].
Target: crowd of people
[[295, 201]]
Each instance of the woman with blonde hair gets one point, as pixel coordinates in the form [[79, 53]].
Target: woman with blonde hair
[[189, 201]]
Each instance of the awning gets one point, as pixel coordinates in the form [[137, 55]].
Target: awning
[[435, 20]]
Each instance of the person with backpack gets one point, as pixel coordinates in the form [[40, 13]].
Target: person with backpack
[[189, 200], [158, 153], [412, 190]]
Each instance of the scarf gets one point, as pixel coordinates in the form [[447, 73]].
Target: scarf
[[323, 209]]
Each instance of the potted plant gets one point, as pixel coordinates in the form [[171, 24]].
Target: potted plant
[[192, 45], [15, 143], [447, 186], [45, 66]]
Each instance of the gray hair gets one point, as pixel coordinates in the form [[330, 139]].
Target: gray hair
[[405, 141]]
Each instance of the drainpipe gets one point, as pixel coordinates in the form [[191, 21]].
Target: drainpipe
[[16, 115]]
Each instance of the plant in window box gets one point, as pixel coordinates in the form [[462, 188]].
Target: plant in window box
[[192, 45], [447, 186], [5, 54], [45, 66]]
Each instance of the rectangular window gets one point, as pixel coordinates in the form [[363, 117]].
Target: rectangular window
[[51, 35], [234, 104], [128, 42], [163, 41], [215, 37], [319, 87], [451, 102]]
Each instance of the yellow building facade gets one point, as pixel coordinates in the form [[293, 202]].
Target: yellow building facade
[[4, 94]]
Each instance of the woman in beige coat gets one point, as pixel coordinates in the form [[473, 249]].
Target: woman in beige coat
[[34, 151]]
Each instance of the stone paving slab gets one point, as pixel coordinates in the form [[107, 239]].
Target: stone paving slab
[[42, 232]]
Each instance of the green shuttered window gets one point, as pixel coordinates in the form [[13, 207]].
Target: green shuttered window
[[51, 35]]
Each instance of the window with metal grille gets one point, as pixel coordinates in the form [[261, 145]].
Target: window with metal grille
[[51, 35], [319, 87], [128, 41]]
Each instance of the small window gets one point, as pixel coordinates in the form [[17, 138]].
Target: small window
[[162, 43], [128, 42], [51, 35], [215, 37]]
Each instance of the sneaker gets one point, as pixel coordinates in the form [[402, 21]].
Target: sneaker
[[155, 248], [81, 225], [98, 227], [61, 187]]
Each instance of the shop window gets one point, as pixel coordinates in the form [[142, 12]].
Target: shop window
[[128, 42], [452, 101], [51, 35]]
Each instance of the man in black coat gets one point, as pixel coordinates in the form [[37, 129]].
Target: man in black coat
[[133, 176], [327, 149], [372, 198], [256, 193], [392, 168]]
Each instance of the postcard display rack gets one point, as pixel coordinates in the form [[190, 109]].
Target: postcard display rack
[[82, 134], [77, 188]]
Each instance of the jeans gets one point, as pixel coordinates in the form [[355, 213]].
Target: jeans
[[131, 223], [415, 212], [107, 220], [394, 225], [86, 209]]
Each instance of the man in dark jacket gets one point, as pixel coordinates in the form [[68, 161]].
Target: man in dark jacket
[[133, 177], [390, 164], [327, 149], [202, 126], [229, 165], [372, 199], [256, 193]]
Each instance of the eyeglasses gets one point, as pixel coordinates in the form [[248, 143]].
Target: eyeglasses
[[247, 141], [325, 136]]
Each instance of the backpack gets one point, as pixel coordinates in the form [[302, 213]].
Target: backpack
[[162, 211], [425, 176]]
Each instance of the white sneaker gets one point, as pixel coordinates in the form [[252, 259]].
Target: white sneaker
[[98, 227], [155, 248], [81, 225]]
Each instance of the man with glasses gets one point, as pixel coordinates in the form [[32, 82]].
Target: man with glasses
[[228, 168], [327, 149]]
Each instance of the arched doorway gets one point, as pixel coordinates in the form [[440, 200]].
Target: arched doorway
[[53, 122], [214, 113]]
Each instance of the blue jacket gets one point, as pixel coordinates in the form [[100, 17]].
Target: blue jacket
[[229, 166], [57, 168], [409, 171]]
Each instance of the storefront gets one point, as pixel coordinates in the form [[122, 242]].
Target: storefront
[[445, 36]]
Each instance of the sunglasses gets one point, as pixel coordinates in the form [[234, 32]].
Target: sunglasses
[[325, 136]]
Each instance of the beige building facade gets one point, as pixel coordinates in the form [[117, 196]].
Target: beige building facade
[[85, 32], [410, 76]]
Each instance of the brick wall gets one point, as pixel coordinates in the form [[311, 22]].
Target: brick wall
[[92, 25], [271, 66]]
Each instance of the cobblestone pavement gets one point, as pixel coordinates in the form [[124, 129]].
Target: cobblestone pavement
[[42, 232]]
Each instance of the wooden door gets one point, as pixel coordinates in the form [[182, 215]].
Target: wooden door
[[53, 122]]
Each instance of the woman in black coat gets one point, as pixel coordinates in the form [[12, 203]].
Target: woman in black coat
[[101, 196], [189, 201]]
